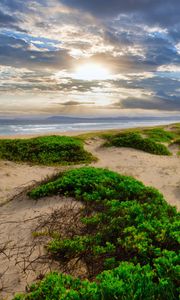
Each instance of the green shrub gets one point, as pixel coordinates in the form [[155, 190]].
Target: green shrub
[[177, 142], [126, 282], [160, 135], [175, 128], [129, 240], [60, 287], [135, 140], [92, 184], [45, 150]]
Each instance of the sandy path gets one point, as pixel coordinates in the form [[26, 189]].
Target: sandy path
[[161, 172]]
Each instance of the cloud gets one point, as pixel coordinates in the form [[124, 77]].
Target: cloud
[[151, 103], [6, 19], [137, 41], [12, 4], [169, 68], [159, 11], [9, 21], [113, 7], [17, 52], [76, 103]]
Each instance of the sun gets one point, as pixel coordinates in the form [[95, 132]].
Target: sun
[[91, 72]]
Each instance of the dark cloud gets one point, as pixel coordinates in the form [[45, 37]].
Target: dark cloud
[[21, 5], [9, 21], [113, 7], [17, 52], [166, 14], [132, 38], [155, 10], [153, 103], [12, 4], [163, 87], [117, 38], [6, 19], [77, 85], [75, 103]]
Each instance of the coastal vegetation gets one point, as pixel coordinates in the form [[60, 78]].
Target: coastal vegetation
[[155, 140], [177, 142], [160, 135], [137, 141], [47, 150], [128, 240], [54, 150], [120, 239]]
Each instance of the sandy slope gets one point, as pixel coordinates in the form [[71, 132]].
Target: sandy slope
[[17, 217], [15, 177], [161, 172]]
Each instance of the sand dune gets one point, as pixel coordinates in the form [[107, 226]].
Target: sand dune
[[15, 177], [19, 217], [161, 172]]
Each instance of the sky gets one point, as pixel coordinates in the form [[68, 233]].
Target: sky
[[95, 57]]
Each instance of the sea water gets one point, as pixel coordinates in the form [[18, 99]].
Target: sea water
[[12, 127]]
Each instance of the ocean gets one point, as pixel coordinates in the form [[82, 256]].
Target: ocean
[[58, 124]]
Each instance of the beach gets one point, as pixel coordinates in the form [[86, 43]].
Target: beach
[[72, 125], [19, 215], [161, 172], [89, 150]]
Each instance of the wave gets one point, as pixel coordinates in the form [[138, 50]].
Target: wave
[[19, 129]]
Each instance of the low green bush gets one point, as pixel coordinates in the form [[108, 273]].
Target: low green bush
[[177, 142], [175, 128], [129, 240], [160, 135], [45, 150], [126, 282], [92, 184], [135, 140]]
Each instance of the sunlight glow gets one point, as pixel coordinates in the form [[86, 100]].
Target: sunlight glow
[[91, 72]]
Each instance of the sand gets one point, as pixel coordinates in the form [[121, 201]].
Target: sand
[[15, 177], [161, 172], [19, 217]]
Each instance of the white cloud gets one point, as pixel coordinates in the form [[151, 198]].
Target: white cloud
[[169, 68], [177, 46]]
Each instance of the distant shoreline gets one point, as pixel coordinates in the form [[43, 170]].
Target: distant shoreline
[[78, 131]]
